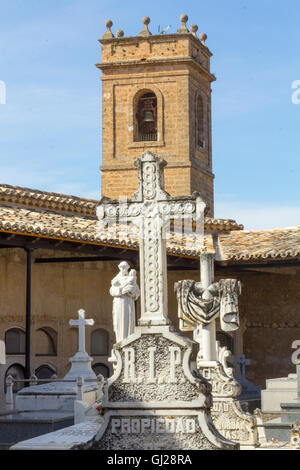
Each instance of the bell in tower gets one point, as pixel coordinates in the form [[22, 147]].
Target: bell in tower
[[157, 97]]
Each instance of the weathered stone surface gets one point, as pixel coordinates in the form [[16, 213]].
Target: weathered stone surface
[[165, 383], [156, 398], [64, 439], [161, 430], [228, 417], [222, 385], [233, 423]]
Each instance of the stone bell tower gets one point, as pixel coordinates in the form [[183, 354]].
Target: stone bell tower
[[156, 96]]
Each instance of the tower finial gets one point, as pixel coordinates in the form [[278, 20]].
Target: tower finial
[[120, 33], [183, 29], [203, 38], [194, 29], [145, 31], [108, 34]]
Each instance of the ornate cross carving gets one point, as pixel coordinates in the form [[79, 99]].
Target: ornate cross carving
[[151, 208]]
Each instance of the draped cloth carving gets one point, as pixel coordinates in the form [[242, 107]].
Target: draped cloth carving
[[196, 308], [229, 290]]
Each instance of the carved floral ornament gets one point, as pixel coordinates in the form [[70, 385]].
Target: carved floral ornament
[[152, 202], [123, 210], [195, 308]]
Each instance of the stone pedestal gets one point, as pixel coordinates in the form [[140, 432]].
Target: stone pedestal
[[155, 399], [290, 414], [81, 367], [228, 417], [283, 389]]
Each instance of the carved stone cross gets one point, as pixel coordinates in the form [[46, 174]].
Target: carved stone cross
[[81, 323], [151, 209], [241, 362]]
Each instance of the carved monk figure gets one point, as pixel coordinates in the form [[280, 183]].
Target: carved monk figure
[[125, 292]]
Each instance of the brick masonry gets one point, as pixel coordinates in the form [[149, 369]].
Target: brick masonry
[[176, 69]]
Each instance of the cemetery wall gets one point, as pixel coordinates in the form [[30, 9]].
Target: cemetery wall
[[270, 318], [269, 310]]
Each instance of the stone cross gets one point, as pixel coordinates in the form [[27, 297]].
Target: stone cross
[[241, 362], [151, 209], [208, 332], [200, 303], [81, 324]]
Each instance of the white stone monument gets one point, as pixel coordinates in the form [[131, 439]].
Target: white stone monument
[[281, 389], [199, 304], [125, 292], [61, 395], [81, 361], [156, 398]]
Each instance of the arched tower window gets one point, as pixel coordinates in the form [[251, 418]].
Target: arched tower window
[[46, 342], [100, 342], [146, 117], [15, 341], [200, 140]]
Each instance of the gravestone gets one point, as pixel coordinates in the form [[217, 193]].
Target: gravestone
[[250, 392], [156, 398], [282, 389], [81, 361], [280, 428], [199, 304], [50, 407], [155, 393], [61, 395]]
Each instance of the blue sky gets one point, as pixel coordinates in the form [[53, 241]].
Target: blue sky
[[50, 127]]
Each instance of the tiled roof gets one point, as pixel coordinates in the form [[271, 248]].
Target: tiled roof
[[234, 245], [46, 200], [262, 244], [78, 228], [15, 195]]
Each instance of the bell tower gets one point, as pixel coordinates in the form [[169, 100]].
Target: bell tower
[[156, 96]]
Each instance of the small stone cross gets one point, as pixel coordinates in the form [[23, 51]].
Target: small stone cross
[[81, 323], [241, 362]]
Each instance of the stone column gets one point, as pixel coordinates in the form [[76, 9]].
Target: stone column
[[208, 332]]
